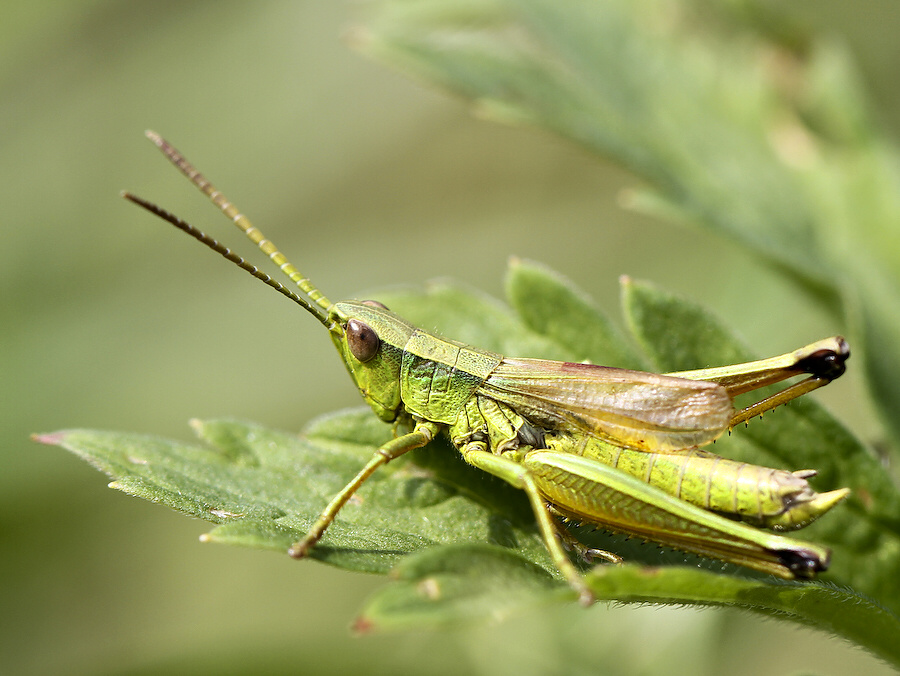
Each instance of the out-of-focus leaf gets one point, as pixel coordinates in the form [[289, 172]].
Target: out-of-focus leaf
[[452, 586]]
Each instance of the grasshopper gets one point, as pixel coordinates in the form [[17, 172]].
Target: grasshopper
[[607, 446]]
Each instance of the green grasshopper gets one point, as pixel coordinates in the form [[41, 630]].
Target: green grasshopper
[[607, 446]]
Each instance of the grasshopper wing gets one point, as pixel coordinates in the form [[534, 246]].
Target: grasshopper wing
[[640, 410]]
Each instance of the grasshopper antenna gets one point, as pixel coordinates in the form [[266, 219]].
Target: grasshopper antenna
[[318, 301], [228, 254]]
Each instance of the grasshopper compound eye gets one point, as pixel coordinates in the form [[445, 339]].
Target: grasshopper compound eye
[[362, 340]]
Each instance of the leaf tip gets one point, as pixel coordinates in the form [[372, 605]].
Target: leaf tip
[[50, 438], [362, 625]]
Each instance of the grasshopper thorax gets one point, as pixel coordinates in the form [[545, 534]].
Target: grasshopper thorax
[[371, 339]]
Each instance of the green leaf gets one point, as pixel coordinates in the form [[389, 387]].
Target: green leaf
[[471, 317], [607, 77], [472, 538], [820, 606], [265, 488], [541, 296]]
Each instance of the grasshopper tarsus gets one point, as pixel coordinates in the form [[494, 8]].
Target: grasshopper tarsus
[[298, 550], [586, 597]]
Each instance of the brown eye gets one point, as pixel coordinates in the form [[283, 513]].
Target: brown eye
[[362, 340], [375, 303]]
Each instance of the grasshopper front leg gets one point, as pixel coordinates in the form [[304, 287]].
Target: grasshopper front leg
[[421, 435]]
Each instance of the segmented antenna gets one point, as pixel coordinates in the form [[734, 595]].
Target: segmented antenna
[[241, 221], [228, 254]]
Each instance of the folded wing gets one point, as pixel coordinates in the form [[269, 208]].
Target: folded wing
[[641, 410]]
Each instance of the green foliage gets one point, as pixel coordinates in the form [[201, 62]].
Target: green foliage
[[735, 122], [755, 131], [462, 544]]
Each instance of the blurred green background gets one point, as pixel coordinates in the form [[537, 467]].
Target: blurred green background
[[365, 180]]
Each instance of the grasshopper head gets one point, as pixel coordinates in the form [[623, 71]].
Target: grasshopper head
[[371, 339]]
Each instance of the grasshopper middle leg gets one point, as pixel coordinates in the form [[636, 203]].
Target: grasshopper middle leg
[[520, 477]]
